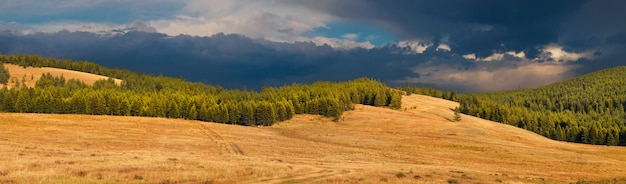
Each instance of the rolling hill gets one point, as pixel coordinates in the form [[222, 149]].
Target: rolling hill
[[286, 140], [418, 144], [30, 75], [585, 109]]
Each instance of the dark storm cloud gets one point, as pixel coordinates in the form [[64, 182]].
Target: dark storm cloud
[[232, 61], [516, 44], [485, 27], [597, 26], [470, 26], [619, 38]]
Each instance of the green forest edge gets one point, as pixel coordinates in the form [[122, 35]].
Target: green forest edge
[[587, 109], [158, 96]]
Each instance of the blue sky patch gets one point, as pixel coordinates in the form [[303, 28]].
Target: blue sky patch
[[377, 35]]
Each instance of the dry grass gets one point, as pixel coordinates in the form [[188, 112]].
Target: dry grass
[[368, 145], [30, 75]]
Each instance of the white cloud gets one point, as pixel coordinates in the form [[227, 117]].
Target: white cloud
[[500, 71], [414, 46], [256, 19], [493, 57], [549, 53], [337, 43], [444, 47], [351, 36], [261, 19], [470, 56], [269, 20], [555, 52], [520, 54], [528, 75], [13, 28], [499, 56], [141, 26]]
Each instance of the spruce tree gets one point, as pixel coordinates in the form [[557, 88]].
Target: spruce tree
[[4, 74], [457, 114], [396, 101], [380, 99]]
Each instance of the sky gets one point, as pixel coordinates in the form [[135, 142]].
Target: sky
[[477, 46]]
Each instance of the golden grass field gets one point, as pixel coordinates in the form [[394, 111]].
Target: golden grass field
[[30, 75], [368, 145]]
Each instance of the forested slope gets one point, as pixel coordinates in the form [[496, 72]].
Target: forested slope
[[4, 75], [587, 109], [158, 96]]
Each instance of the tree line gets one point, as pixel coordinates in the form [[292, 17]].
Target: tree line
[[159, 96], [588, 109], [431, 91]]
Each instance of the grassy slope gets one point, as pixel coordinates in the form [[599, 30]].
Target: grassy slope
[[368, 145], [31, 75]]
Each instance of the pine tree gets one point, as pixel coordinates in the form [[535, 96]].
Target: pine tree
[[595, 135], [265, 114], [234, 113], [396, 101], [4, 74], [8, 102], [380, 99], [559, 134], [173, 110], [22, 104], [247, 114], [125, 107], [611, 139], [222, 114], [97, 104], [193, 112], [203, 113], [137, 107], [457, 114], [281, 112]]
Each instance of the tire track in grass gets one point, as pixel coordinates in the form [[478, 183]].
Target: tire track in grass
[[318, 174], [224, 146]]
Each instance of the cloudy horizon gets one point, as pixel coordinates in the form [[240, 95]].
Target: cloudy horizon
[[478, 46]]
